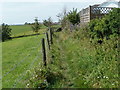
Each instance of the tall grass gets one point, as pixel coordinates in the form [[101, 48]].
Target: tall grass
[[84, 64]]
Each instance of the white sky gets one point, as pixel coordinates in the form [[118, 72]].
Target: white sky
[[21, 11], [54, 0], [50, 0]]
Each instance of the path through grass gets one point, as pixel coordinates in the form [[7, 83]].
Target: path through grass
[[84, 64]]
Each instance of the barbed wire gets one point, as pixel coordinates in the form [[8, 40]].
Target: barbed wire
[[35, 59], [20, 62]]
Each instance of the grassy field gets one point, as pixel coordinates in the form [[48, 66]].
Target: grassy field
[[19, 58], [18, 30]]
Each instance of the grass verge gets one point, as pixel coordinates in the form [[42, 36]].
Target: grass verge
[[84, 64]]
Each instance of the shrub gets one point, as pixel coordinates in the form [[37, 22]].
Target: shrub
[[73, 17], [36, 26], [108, 25], [6, 32], [48, 23]]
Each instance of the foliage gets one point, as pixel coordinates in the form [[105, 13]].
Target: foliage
[[64, 22], [5, 31], [84, 64], [63, 18], [36, 26], [48, 23], [108, 25], [43, 78], [73, 16]]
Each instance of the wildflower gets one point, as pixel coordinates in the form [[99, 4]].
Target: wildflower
[[103, 76], [98, 77], [106, 77], [33, 77], [112, 83], [36, 76], [28, 84]]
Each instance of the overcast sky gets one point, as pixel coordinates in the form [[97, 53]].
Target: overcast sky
[[21, 11]]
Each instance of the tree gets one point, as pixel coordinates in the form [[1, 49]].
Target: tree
[[73, 16], [63, 18], [5, 31], [48, 23], [36, 26]]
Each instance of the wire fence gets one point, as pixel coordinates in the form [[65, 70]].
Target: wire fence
[[21, 77], [22, 60], [37, 57]]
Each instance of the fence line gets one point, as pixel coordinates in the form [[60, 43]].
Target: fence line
[[47, 37], [35, 59], [49, 41]]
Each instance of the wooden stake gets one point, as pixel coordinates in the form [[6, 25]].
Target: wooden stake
[[47, 37], [44, 52], [51, 37]]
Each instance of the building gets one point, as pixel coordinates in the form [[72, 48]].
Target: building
[[98, 10]]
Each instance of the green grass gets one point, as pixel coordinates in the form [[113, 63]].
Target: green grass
[[18, 30], [20, 53], [84, 64], [18, 57]]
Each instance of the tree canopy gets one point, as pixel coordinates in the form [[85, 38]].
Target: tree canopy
[[73, 16]]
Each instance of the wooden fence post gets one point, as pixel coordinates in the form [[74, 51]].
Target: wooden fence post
[[44, 52], [47, 37], [51, 37], [90, 14]]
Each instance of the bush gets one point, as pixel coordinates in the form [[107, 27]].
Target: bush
[[73, 17], [6, 32], [36, 26], [48, 23], [108, 25]]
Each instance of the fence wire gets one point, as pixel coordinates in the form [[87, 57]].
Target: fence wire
[[21, 61], [16, 82]]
